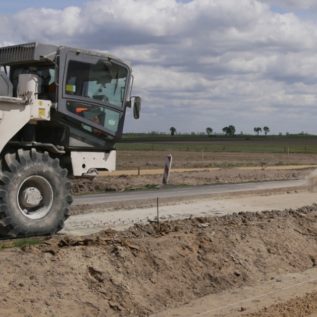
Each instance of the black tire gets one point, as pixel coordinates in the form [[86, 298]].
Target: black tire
[[34, 194]]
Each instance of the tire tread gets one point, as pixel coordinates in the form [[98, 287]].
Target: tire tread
[[15, 162]]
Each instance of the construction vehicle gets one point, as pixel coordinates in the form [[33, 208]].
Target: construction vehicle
[[62, 110]]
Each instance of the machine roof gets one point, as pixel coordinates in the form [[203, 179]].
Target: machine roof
[[36, 52]]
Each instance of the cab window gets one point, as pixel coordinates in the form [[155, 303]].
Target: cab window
[[104, 81], [106, 118]]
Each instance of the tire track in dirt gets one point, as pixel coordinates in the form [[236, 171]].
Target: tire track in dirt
[[290, 294]]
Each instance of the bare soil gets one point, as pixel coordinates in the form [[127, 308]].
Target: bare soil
[[147, 269], [188, 178], [228, 170], [299, 306]]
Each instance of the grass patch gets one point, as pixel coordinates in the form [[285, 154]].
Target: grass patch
[[20, 243]]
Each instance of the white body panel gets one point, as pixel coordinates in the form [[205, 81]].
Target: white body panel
[[14, 115], [86, 162]]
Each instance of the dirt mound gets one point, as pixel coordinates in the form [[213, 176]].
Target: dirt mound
[[149, 268], [300, 306]]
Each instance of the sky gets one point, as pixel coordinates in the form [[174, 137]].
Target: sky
[[197, 64]]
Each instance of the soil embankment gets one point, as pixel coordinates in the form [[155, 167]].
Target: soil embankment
[[147, 269]]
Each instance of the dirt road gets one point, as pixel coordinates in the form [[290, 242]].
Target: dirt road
[[178, 193], [105, 217]]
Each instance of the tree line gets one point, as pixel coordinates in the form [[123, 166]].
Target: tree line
[[229, 130]]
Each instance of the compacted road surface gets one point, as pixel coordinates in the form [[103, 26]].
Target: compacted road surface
[[186, 203]]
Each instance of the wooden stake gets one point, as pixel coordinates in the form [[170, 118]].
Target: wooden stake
[[167, 168], [158, 213]]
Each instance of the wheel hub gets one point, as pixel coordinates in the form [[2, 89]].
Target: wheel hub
[[31, 197], [35, 197]]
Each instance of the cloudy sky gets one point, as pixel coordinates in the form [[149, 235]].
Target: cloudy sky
[[197, 63]]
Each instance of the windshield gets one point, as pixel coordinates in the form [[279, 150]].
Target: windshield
[[102, 81]]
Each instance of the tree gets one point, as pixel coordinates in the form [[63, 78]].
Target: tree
[[257, 130], [229, 130], [232, 130], [173, 130], [266, 130], [208, 131]]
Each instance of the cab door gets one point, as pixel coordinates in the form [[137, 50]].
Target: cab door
[[93, 91]]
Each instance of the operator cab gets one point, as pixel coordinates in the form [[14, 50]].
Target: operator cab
[[95, 94], [90, 92]]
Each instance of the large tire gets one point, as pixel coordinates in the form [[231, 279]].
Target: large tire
[[34, 194]]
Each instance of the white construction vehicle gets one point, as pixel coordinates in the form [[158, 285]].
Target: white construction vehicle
[[61, 112]]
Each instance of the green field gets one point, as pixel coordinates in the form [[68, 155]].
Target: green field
[[246, 144]]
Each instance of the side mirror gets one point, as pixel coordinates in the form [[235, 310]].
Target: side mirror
[[136, 107]]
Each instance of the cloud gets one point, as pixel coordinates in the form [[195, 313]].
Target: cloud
[[197, 63], [293, 4]]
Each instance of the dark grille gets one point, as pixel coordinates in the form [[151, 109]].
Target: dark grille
[[17, 54]]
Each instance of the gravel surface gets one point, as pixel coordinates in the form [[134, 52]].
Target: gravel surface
[[121, 219]]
